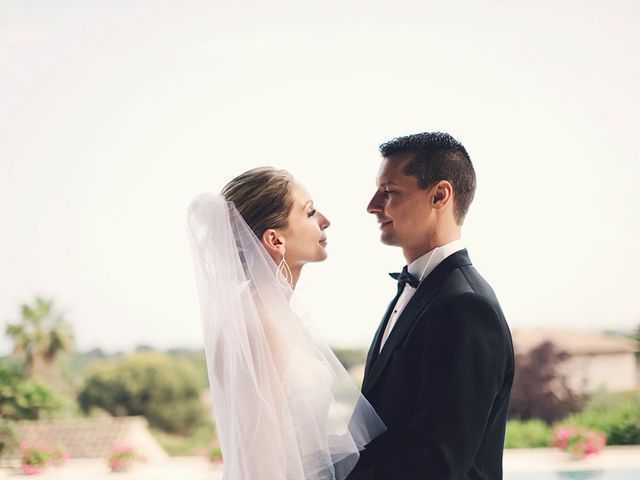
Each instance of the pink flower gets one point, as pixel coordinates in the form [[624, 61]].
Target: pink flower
[[122, 456], [578, 441], [561, 437], [123, 448], [118, 463], [30, 469]]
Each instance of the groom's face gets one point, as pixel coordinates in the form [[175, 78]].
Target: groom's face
[[404, 211]]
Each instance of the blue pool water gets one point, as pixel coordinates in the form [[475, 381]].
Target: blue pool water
[[583, 475]]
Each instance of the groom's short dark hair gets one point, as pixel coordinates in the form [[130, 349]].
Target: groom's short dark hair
[[437, 156]]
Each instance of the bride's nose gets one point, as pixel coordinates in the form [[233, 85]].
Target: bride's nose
[[323, 221]]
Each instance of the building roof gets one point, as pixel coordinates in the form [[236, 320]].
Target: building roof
[[93, 437], [574, 342]]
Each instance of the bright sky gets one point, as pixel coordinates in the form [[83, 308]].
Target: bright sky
[[114, 115]]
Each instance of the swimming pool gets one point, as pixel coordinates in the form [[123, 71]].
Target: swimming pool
[[623, 474]]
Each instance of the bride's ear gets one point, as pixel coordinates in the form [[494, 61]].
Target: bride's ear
[[273, 242]]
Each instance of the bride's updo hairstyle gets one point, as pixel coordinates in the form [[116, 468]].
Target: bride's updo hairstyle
[[262, 196]]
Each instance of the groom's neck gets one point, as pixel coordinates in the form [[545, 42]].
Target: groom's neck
[[414, 252]]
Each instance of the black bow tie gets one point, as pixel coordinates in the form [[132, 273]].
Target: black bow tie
[[403, 278]]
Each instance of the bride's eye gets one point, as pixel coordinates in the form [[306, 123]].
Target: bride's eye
[[312, 213]]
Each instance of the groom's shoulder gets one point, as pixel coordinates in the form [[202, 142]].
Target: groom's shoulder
[[467, 279], [477, 283], [465, 282], [466, 296]]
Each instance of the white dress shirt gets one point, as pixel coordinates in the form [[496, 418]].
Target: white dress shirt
[[420, 268]]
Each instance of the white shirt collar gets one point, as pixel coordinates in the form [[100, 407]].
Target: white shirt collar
[[422, 266]]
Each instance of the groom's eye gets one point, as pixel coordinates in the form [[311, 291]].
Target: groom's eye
[[387, 193]]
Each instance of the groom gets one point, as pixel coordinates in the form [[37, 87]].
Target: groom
[[440, 369]]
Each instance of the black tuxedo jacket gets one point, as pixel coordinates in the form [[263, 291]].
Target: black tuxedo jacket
[[441, 383]]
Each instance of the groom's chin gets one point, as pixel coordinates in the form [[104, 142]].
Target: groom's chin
[[387, 239]]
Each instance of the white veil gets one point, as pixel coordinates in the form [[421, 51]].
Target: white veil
[[285, 407]]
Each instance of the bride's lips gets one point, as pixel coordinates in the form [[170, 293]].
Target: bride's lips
[[323, 242]]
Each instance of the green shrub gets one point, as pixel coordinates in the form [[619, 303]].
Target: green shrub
[[8, 438], [197, 443], [215, 454], [164, 390], [527, 434], [617, 415], [350, 357]]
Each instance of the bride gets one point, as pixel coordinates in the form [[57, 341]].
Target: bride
[[285, 407]]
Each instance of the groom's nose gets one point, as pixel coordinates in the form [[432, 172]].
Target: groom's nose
[[375, 205]]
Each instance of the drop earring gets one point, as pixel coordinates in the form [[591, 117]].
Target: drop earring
[[284, 275]]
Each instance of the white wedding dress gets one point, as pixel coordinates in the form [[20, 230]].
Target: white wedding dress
[[309, 409], [285, 407]]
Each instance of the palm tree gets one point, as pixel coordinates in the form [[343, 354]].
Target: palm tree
[[39, 337]]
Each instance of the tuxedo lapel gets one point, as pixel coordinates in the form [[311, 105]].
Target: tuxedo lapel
[[375, 345], [420, 300]]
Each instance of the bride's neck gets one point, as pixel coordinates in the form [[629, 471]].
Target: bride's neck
[[295, 271]]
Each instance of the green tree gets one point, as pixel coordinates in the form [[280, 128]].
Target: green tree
[[196, 359], [39, 337], [164, 390], [25, 399]]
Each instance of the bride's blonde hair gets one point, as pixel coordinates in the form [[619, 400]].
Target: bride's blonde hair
[[262, 196]]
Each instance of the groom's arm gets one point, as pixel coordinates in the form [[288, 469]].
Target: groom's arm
[[464, 362]]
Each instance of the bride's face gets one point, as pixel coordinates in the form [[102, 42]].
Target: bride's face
[[305, 239]]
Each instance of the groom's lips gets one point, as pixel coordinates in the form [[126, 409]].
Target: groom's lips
[[385, 224]]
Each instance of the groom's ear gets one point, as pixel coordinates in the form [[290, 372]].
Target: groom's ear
[[273, 241], [442, 194]]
